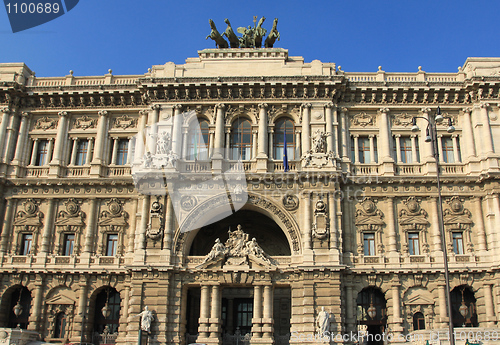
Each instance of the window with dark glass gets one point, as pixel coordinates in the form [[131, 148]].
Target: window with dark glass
[[458, 242], [110, 297], [112, 244], [26, 241], [413, 243], [82, 148], [369, 243], [241, 140], [244, 313], [122, 152], [418, 321], [281, 128], [60, 326], [69, 244], [42, 153], [448, 156], [198, 140]]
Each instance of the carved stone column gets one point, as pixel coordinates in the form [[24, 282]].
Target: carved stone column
[[141, 137], [91, 225], [57, 158], [306, 129], [486, 138], [267, 320], [35, 315], [489, 306], [169, 224], [48, 226], [443, 311], [81, 315], [257, 312], [203, 328], [349, 305], [307, 221], [329, 127], [219, 132], [436, 233], [262, 135], [396, 309], [385, 136], [177, 131], [215, 322], [391, 229], [468, 134], [73, 151], [140, 243], [156, 114], [426, 147], [373, 159], [3, 130], [100, 137], [344, 131], [23, 138], [89, 151], [7, 225], [479, 220], [34, 152], [115, 150]]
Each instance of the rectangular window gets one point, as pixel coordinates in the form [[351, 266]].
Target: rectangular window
[[69, 244], [413, 243], [26, 242], [458, 242], [405, 148], [369, 243], [122, 152], [364, 155], [42, 153], [82, 148], [448, 156], [112, 244]]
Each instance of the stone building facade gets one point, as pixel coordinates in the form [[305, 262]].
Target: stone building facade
[[92, 233]]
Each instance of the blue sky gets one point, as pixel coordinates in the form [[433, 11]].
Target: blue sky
[[130, 36]]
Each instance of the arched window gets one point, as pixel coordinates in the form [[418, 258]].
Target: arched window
[[241, 140], [463, 305], [111, 298], [60, 326], [418, 321], [198, 140], [282, 128]]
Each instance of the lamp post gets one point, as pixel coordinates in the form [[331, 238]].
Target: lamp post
[[431, 136]]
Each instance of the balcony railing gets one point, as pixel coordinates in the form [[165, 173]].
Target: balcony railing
[[365, 169], [77, 171], [408, 169], [33, 171], [119, 171]]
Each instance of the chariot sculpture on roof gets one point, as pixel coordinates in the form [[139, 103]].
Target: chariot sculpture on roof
[[251, 37]]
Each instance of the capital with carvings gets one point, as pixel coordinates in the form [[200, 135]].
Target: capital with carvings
[[329, 105], [103, 113], [344, 110], [220, 106], [155, 107], [262, 105], [467, 110], [384, 110], [176, 106], [306, 105], [5, 110], [25, 114], [143, 112], [62, 113], [485, 105], [425, 110]]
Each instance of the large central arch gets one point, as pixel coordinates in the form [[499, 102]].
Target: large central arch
[[257, 203]]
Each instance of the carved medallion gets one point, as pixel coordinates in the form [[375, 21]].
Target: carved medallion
[[290, 202], [188, 202]]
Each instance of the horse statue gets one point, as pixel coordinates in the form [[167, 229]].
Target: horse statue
[[273, 35], [231, 36], [259, 32], [220, 42]]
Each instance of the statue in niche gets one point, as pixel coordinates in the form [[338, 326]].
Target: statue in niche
[[163, 142], [319, 141], [273, 35], [220, 42], [231, 36], [322, 322]]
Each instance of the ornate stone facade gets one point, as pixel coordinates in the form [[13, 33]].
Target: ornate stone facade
[[352, 226]]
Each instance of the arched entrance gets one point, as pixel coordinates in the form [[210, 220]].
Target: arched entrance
[[106, 316], [267, 233], [372, 314], [18, 301], [463, 307]]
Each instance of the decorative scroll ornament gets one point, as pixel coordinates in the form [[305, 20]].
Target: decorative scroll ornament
[[85, 122], [290, 202], [31, 217], [72, 218], [115, 218], [320, 226], [404, 120], [125, 122], [363, 120], [156, 225], [237, 250], [45, 123]]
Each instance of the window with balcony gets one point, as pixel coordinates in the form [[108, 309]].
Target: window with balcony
[[69, 244], [281, 128], [369, 243], [362, 151], [198, 140], [111, 244], [458, 242], [42, 153], [241, 140], [82, 148], [413, 243], [122, 152], [26, 242]]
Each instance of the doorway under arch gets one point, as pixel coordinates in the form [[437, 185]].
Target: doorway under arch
[[372, 313], [463, 299]]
